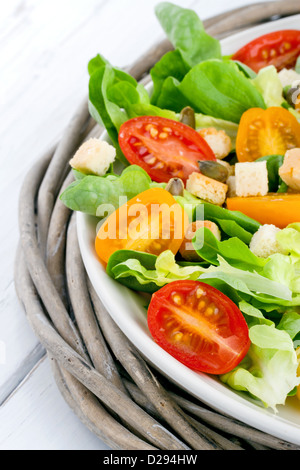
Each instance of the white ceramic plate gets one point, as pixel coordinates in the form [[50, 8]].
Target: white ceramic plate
[[127, 310]]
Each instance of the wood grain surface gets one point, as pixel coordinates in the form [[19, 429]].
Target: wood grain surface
[[45, 47]]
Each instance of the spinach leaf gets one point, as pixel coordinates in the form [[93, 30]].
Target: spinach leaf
[[215, 213], [248, 72], [170, 96], [232, 250], [118, 270], [96, 63], [232, 229], [115, 96], [78, 175], [274, 162], [170, 65], [90, 193], [104, 111], [219, 89], [135, 101], [186, 32]]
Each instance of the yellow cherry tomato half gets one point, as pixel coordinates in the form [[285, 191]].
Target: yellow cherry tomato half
[[280, 209], [151, 222], [266, 132]]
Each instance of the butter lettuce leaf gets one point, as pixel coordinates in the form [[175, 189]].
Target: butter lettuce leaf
[[209, 87], [186, 32], [91, 193]]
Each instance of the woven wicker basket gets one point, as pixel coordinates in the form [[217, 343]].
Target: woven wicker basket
[[100, 374]]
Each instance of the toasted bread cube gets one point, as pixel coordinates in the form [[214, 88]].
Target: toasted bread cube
[[93, 157], [206, 188], [288, 77], [289, 172], [251, 179], [264, 243], [219, 141]]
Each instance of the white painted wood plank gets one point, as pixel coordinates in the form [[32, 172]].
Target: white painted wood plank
[[37, 418]]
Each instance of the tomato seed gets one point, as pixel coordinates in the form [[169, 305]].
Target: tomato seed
[[177, 299], [199, 292], [153, 132], [150, 159], [163, 135]]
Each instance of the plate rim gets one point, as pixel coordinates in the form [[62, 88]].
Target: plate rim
[[233, 404]]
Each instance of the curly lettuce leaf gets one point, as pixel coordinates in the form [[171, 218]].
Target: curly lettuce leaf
[[269, 85], [148, 273], [269, 371]]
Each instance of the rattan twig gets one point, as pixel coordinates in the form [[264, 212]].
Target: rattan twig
[[100, 374]]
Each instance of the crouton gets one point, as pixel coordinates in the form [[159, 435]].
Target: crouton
[[251, 179], [288, 77], [206, 188], [187, 249], [93, 157], [219, 141], [264, 242], [289, 172]]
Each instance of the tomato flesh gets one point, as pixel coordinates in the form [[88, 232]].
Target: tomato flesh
[[199, 326], [152, 222], [266, 132], [280, 48], [164, 148]]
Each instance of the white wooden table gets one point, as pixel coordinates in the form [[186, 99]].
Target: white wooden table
[[44, 49]]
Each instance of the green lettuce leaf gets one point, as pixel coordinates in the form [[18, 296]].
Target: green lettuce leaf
[[171, 65], [269, 85], [252, 284], [92, 193], [186, 32], [209, 87], [290, 323], [274, 162], [148, 273], [233, 250], [253, 315], [269, 371]]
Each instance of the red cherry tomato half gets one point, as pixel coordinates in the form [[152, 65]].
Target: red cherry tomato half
[[199, 326], [164, 148], [280, 49]]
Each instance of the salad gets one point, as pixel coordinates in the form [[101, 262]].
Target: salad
[[197, 198]]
